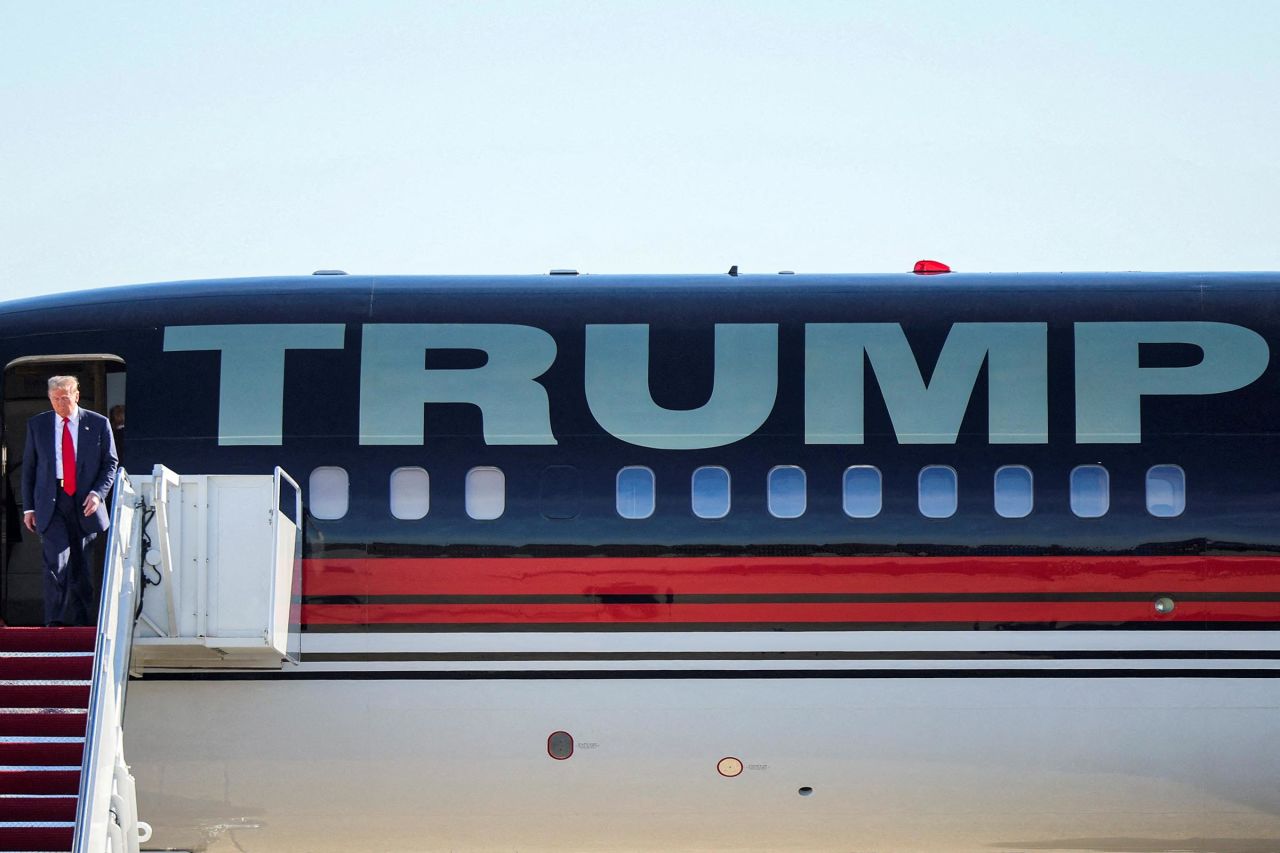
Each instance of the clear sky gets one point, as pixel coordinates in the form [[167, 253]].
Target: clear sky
[[149, 141]]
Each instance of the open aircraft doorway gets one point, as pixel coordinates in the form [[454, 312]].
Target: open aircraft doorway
[[25, 388]]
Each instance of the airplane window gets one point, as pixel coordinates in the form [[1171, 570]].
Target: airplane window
[[635, 492], [711, 492], [862, 498], [1166, 491], [1090, 491], [329, 492], [486, 493], [1014, 494], [787, 498], [938, 491], [410, 493]]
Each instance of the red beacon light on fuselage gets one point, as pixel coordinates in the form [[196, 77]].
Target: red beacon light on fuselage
[[930, 268]]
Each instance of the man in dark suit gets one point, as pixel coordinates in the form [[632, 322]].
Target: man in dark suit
[[67, 469]]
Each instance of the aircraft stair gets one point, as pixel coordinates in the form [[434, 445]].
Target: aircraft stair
[[228, 597], [64, 785], [44, 677]]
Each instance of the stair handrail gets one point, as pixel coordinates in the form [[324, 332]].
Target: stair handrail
[[106, 814]]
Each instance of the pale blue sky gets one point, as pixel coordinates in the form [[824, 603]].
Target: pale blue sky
[[146, 141]]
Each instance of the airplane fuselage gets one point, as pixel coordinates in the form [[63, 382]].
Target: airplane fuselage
[[847, 563]]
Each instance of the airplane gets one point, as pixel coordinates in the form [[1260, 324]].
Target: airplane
[[925, 561]]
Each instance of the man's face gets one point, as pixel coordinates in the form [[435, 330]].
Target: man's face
[[64, 400]]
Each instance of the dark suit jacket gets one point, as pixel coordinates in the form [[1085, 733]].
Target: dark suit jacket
[[96, 465]]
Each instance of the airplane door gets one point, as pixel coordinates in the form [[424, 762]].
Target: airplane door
[[25, 391], [287, 560]]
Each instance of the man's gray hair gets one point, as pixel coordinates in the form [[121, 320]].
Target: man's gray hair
[[64, 382]]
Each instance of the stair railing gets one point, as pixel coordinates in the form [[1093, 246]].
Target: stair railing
[[106, 815]]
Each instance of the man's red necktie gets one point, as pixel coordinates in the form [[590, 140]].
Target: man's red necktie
[[68, 459]]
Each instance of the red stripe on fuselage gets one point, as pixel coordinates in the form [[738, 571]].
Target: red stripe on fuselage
[[673, 577], [1112, 612], [728, 575]]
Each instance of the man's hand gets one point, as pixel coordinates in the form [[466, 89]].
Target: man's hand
[[29, 519], [91, 504]]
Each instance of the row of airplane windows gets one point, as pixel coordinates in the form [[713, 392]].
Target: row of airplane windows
[[786, 492]]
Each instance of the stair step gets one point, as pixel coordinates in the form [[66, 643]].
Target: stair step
[[34, 838], [38, 724], [41, 754], [45, 696], [70, 667], [48, 639], [37, 809], [65, 782]]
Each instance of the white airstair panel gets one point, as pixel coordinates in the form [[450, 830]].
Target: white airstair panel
[[221, 567]]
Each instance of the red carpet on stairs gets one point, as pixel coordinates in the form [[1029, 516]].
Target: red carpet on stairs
[[44, 696]]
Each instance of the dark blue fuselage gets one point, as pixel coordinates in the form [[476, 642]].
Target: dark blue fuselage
[[561, 498]]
